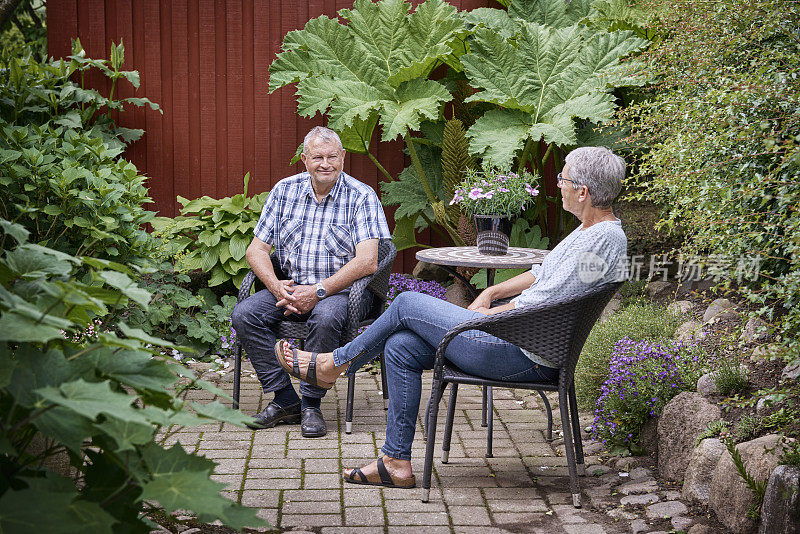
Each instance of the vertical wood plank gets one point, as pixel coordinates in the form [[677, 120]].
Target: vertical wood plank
[[62, 25], [233, 20], [208, 98], [263, 55], [193, 80], [160, 181], [248, 95], [169, 107], [92, 29], [221, 60], [277, 112], [180, 97]]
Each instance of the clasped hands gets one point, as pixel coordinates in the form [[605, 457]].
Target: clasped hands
[[295, 298]]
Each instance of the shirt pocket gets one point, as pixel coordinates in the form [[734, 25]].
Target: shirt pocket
[[290, 233], [339, 241]]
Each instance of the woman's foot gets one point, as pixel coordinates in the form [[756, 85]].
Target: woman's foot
[[326, 371], [385, 471]]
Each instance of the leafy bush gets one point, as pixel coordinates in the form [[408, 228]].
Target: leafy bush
[[213, 234], [178, 314], [643, 321], [99, 403], [60, 169], [643, 377], [719, 145]]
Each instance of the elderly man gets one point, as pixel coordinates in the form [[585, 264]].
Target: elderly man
[[411, 328], [325, 226]]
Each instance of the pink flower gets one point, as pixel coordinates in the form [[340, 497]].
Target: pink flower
[[458, 197], [476, 193], [489, 194], [532, 190], [502, 190]]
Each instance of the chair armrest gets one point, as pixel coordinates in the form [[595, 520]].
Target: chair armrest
[[247, 285]]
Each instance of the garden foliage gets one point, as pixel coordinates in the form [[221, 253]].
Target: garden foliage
[[99, 404], [719, 143], [641, 321], [643, 377], [213, 234], [60, 170]]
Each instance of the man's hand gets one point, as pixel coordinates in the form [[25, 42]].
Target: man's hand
[[300, 299]]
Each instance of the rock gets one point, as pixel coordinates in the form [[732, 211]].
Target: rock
[[681, 307], [780, 513], [690, 330], [638, 500], [671, 495], [700, 529], [597, 470], [592, 447], [639, 473], [611, 308], [697, 480], [459, 295], [791, 372], [659, 289], [681, 523], [765, 404], [638, 526], [638, 487], [429, 271], [649, 436], [720, 309], [707, 385], [682, 420], [754, 330], [625, 463], [620, 515], [665, 509], [766, 352], [730, 497]]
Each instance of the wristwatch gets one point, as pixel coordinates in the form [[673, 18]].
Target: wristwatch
[[321, 293]]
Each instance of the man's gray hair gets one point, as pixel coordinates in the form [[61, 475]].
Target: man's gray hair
[[600, 170], [321, 133]]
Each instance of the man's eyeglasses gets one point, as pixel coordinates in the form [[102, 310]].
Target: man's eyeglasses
[[560, 179]]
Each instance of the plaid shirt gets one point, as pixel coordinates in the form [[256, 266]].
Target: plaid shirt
[[313, 240]]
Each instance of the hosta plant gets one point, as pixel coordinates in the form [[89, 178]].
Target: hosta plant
[[212, 234], [105, 404]]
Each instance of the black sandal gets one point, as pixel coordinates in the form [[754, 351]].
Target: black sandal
[[386, 479], [311, 373]]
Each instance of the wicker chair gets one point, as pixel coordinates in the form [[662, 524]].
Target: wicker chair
[[555, 331], [377, 284]]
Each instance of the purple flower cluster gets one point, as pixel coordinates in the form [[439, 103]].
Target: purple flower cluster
[[402, 282], [643, 377]]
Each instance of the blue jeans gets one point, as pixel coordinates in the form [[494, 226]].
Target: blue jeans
[[254, 320], [408, 333]]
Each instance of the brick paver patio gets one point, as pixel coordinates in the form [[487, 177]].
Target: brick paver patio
[[295, 482]]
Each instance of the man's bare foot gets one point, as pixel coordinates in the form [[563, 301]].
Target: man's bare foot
[[326, 370], [399, 472]]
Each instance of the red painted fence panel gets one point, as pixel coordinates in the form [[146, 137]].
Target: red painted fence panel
[[205, 63]]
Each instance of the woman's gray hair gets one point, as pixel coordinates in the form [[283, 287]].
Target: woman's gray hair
[[321, 133], [600, 170]]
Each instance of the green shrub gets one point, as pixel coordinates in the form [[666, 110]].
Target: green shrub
[[643, 377], [643, 321], [729, 376], [719, 145], [60, 167], [213, 234], [100, 402]]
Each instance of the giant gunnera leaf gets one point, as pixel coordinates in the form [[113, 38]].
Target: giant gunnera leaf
[[542, 77], [371, 70]]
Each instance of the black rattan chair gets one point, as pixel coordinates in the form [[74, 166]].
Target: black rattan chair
[[377, 284], [555, 331]]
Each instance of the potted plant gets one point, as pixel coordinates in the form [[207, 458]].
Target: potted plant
[[492, 196]]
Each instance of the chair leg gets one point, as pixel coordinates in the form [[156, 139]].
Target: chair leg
[[448, 427], [237, 371], [574, 484], [576, 432], [348, 412], [384, 383], [430, 427], [549, 415], [489, 422], [484, 401]]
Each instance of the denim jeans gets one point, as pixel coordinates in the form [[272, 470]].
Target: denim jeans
[[408, 333], [254, 319]]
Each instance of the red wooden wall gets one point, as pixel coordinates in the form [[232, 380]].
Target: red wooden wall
[[205, 63]]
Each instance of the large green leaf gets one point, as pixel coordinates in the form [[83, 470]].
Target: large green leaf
[[90, 399], [372, 69], [219, 412], [553, 13], [126, 434], [128, 287], [543, 77], [135, 369]]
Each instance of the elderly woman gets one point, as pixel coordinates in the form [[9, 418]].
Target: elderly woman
[[411, 328]]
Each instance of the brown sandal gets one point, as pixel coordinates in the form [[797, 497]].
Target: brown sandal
[[294, 370], [386, 479]]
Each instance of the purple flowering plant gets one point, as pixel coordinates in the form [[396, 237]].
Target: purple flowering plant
[[403, 282], [643, 377], [495, 191]]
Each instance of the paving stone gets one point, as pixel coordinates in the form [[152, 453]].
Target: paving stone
[[261, 498], [314, 495], [364, 516], [358, 497], [416, 530], [666, 509], [406, 519], [469, 515], [638, 526], [517, 506], [568, 513], [508, 518], [638, 500], [597, 470], [680, 522], [319, 507], [584, 529], [621, 515], [671, 495], [630, 488], [321, 481], [638, 473], [310, 520], [349, 530]]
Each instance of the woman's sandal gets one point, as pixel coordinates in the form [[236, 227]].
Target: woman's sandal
[[294, 370], [386, 479]]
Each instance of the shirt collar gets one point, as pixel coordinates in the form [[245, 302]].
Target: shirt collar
[[333, 193]]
